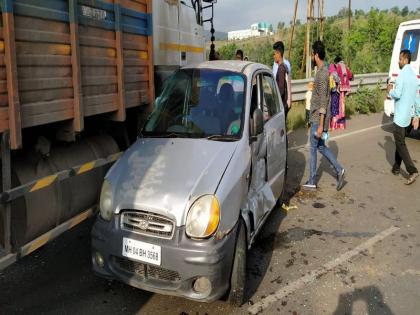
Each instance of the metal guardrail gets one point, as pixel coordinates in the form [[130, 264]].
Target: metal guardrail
[[299, 87]]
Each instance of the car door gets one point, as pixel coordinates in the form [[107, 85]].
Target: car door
[[275, 133], [268, 149]]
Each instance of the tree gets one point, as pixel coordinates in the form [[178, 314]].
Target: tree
[[270, 28], [395, 10], [367, 48], [333, 36], [405, 11], [280, 25], [344, 13], [359, 13], [228, 51]]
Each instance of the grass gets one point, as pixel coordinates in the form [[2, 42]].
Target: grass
[[296, 116]]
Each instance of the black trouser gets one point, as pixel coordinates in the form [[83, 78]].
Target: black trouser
[[401, 152]]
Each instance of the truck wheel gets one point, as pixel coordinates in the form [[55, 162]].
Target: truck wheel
[[238, 275]]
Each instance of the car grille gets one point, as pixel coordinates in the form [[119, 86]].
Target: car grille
[[147, 223], [146, 271]]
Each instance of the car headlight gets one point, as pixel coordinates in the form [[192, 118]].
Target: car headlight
[[105, 202], [203, 217]]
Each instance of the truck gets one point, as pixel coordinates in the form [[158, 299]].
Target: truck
[[77, 79]]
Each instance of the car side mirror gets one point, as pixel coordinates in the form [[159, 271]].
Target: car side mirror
[[257, 126]]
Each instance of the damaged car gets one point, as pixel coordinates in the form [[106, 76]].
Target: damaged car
[[182, 206]]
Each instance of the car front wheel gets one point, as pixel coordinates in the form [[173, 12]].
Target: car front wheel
[[238, 275]]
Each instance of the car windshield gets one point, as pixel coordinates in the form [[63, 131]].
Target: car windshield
[[199, 103]]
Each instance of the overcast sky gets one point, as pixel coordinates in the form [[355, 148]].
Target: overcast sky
[[240, 14]]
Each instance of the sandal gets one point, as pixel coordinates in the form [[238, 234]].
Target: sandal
[[412, 178]]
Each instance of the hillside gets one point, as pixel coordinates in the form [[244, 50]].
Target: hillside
[[366, 48], [218, 35]]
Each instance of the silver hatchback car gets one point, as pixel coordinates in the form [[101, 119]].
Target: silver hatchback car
[[180, 208]]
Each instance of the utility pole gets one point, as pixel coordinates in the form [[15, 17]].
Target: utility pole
[[349, 15], [293, 30], [308, 39], [321, 21]]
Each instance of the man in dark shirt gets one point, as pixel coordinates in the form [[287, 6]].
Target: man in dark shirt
[[281, 73], [319, 119]]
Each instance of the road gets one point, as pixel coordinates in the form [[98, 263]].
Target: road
[[356, 251]]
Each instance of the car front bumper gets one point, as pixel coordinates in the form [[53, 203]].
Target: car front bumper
[[183, 261]]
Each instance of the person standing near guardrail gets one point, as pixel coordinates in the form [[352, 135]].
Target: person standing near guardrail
[[338, 120], [281, 74], [308, 97], [344, 88], [406, 97], [320, 104]]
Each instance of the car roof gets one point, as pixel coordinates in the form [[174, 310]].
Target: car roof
[[244, 67]]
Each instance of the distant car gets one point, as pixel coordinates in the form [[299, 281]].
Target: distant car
[[180, 208]]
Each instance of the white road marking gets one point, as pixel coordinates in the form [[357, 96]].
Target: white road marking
[[344, 135], [412, 272], [314, 274]]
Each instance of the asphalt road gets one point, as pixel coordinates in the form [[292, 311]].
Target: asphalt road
[[351, 252]]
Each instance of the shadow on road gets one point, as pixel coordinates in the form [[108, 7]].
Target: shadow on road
[[371, 295], [325, 165], [58, 279], [389, 148], [386, 120]]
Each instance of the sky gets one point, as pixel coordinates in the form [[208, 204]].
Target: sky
[[233, 15]]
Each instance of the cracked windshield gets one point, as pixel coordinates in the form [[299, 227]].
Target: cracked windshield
[[199, 103]]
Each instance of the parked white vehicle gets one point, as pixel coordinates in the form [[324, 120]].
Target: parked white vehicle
[[408, 37]]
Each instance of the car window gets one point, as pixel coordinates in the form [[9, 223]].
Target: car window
[[254, 95], [199, 103], [410, 41], [271, 105]]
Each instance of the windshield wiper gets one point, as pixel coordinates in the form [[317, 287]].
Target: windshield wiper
[[222, 138], [166, 135]]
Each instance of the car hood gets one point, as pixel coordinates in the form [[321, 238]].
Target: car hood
[[166, 175]]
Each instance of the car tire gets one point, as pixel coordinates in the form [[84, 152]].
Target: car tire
[[283, 195], [238, 275]]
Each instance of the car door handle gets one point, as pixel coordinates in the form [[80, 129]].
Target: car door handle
[[282, 132]]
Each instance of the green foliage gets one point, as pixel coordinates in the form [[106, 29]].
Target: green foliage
[[228, 51], [365, 100], [366, 48], [333, 41], [296, 116]]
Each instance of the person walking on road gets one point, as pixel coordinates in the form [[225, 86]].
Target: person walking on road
[[319, 119], [406, 97]]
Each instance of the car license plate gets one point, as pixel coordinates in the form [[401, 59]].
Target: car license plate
[[141, 251]]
